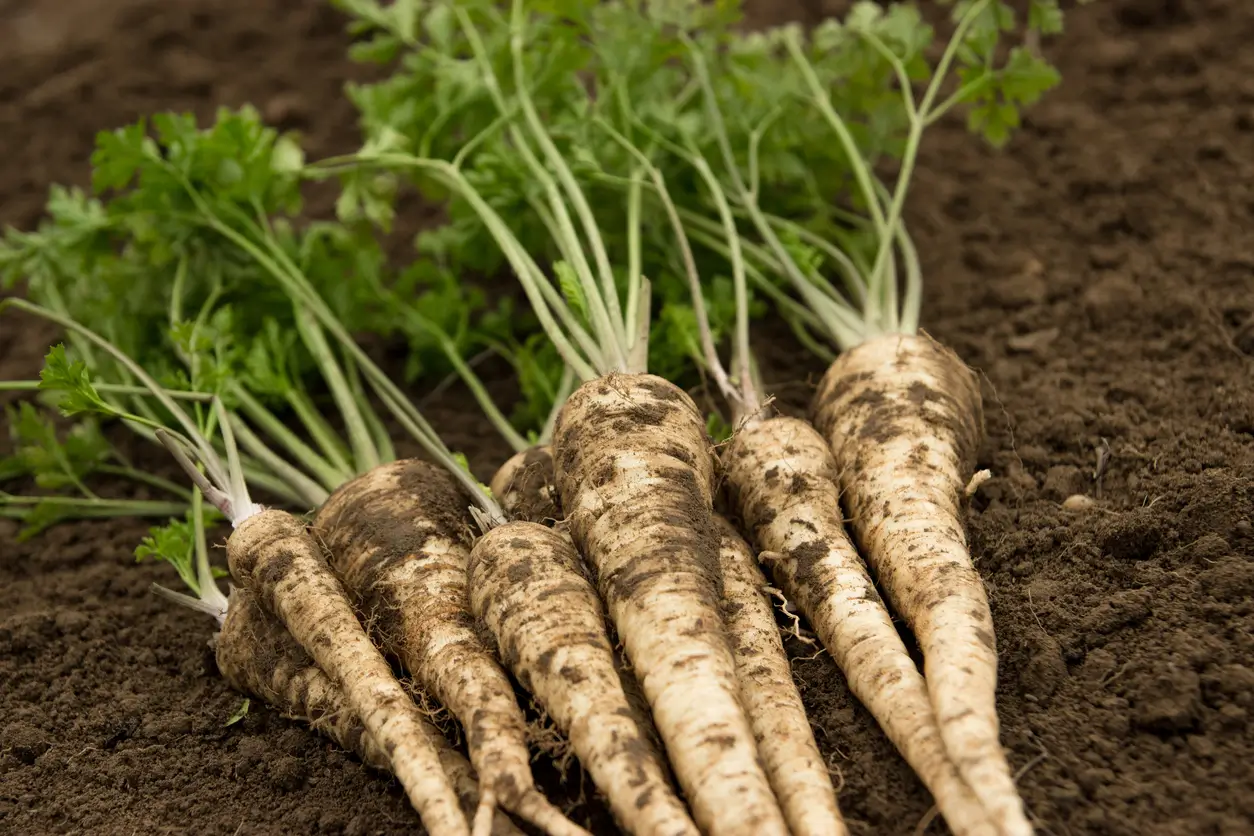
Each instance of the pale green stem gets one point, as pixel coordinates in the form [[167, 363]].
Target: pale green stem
[[710, 351], [311, 493], [804, 285], [638, 361], [598, 312], [564, 387], [91, 506], [855, 284], [365, 455], [378, 432], [634, 258], [208, 590], [567, 178], [110, 388], [917, 124], [323, 471], [551, 294], [323, 435], [525, 268]]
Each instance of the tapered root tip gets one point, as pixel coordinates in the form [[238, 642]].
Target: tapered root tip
[[484, 814], [534, 808]]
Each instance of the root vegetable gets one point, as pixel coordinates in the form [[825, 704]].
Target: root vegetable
[[272, 554], [399, 536], [528, 586], [532, 492], [904, 418], [782, 479], [785, 740], [257, 656], [525, 488], [634, 473]]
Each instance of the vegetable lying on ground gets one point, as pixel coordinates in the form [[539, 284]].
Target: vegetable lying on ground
[[258, 656], [177, 180], [770, 83], [902, 417], [400, 537], [635, 477], [271, 554]]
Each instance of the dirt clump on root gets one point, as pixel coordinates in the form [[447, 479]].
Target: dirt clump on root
[[1094, 274]]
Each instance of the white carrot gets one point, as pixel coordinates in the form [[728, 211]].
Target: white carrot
[[903, 419], [786, 742], [258, 656], [782, 481], [528, 585], [400, 536]]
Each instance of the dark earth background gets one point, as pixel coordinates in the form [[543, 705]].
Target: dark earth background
[[1099, 271]]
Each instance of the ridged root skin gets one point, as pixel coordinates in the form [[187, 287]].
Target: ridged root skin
[[525, 486], [273, 555], [781, 480], [258, 657], [904, 418], [399, 536], [528, 586], [635, 478], [539, 503], [786, 742]]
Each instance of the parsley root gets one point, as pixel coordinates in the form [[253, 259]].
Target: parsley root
[[524, 485], [783, 481], [271, 553], [528, 587], [903, 417], [399, 536], [785, 741], [635, 473], [258, 656]]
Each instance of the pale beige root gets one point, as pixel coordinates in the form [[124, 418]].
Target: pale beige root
[[257, 656], [273, 555], [786, 742], [635, 477], [528, 586], [524, 487], [781, 479], [399, 537], [527, 484], [904, 418]]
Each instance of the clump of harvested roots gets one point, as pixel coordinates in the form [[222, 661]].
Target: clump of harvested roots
[[529, 586], [635, 477]]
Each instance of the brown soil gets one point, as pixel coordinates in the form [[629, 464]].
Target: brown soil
[[1098, 273]]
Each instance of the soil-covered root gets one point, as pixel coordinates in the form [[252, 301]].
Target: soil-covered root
[[781, 479], [539, 503], [272, 554], [786, 742], [530, 589], [635, 478], [525, 488], [257, 656], [399, 536], [903, 416]]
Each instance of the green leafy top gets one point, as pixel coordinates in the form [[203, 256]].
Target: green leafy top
[[786, 131]]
